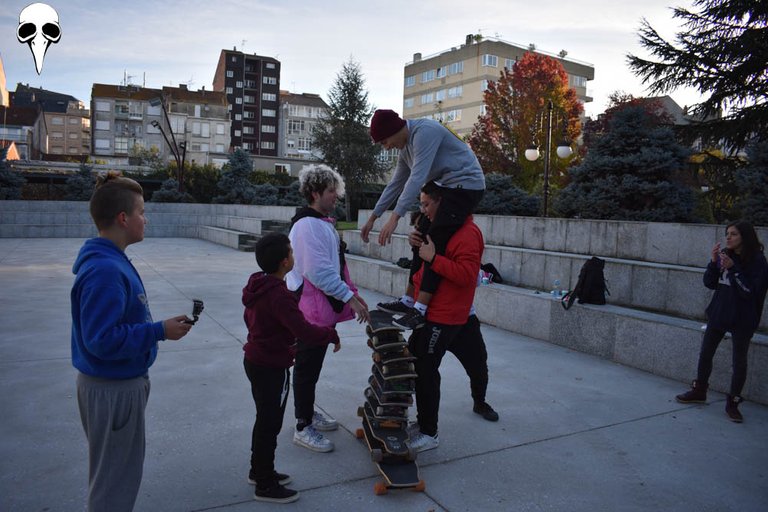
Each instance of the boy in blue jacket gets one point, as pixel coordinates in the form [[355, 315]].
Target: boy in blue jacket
[[114, 342], [274, 324]]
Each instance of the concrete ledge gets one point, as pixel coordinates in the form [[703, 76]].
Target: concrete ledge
[[228, 237], [659, 344]]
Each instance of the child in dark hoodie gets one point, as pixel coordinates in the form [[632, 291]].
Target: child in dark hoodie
[[274, 323]]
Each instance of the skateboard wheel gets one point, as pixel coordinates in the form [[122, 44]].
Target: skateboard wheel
[[385, 370], [360, 412], [420, 487], [379, 488], [359, 433], [377, 455]]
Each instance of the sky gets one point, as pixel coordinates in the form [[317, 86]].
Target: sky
[[169, 42]]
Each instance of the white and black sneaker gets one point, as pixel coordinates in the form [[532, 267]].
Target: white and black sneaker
[[396, 307]]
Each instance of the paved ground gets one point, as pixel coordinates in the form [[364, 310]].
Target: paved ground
[[577, 433]]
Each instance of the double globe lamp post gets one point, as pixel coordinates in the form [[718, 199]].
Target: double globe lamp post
[[563, 151]]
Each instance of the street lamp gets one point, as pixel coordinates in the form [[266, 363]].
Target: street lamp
[[158, 102], [563, 151]]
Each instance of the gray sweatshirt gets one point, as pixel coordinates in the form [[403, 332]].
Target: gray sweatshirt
[[432, 153]]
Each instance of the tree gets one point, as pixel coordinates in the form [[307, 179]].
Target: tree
[[502, 197], [723, 53], [752, 185], [79, 186], [234, 182], [628, 173], [169, 193], [343, 137], [10, 181], [201, 181], [514, 118]]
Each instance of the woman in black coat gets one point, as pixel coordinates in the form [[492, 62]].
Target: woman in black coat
[[739, 276]]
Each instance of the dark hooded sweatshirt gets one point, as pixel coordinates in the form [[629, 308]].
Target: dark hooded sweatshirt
[[275, 322]]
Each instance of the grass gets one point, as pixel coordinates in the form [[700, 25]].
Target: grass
[[346, 224]]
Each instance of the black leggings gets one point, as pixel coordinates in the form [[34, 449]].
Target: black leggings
[[456, 204], [709, 344]]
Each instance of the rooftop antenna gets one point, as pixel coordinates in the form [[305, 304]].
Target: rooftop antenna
[[242, 45], [190, 82]]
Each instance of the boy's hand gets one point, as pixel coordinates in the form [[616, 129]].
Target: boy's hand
[[385, 235], [427, 250], [367, 227], [361, 311], [176, 328]]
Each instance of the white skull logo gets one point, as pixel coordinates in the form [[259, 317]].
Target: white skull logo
[[39, 28]]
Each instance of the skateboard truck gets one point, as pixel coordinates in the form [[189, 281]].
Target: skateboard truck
[[197, 308]]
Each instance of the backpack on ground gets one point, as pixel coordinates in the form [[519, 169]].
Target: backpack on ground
[[591, 287]]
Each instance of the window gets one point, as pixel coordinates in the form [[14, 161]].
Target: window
[[295, 126], [238, 117], [270, 80], [205, 130], [290, 144], [441, 72], [483, 109], [239, 84], [248, 130], [577, 81], [121, 144], [57, 135], [121, 108], [268, 96], [305, 144], [230, 73], [440, 95], [250, 84], [427, 98], [220, 128], [452, 115], [410, 81], [102, 144], [102, 125], [73, 135], [428, 76], [484, 85], [57, 120], [267, 145], [268, 128], [268, 112], [102, 106], [248, 145], [249, 115], [455, 92], [74, 120], [270, 65], [238, 133], [219, 148], [490, 60], [239, 101], [205, 147], [408, 103], [456, 67], [283, 168], [234, 59], [250, 99], [196, 128], [509, 63], [229, 90]]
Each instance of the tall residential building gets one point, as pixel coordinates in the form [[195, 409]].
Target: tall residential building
[[449, 85], [62, 129], [252, 86], [129, 117], [4, 100], [298, 115]]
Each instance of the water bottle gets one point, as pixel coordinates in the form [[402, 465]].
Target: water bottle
[[556, 288]]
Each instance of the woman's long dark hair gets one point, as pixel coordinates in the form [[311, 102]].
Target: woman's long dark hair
[[750, 244]]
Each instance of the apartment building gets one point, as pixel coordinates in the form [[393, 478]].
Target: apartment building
[[252, 87], [299, 115], [62, 129], [16, 126], [449, 85], [128, 117]]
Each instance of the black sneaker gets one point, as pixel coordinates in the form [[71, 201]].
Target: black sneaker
[[486, 411], [395, 307], [281, 478], [276, 494], [410, 321]]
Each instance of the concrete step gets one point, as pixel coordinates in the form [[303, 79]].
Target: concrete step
[[660, 344], [228, 237]]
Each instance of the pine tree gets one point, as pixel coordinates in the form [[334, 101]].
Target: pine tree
[[169, 193], [79, 186], [723, 53], [234, 182], [628, 173], [752, 186], [343, 136]]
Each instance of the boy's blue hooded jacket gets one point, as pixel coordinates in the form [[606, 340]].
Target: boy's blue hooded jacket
[[113, 335]]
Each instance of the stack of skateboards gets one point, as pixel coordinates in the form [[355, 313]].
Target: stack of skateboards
[[384, 413]]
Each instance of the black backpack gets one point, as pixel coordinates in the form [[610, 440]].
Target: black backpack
[[591, 287]]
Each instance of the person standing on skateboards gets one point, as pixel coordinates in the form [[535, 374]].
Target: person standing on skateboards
[[327, 294], [447, 315], [274, 322], [428, 152]]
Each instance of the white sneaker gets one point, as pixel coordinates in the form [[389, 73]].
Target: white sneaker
[[312, 439], [422, 442], [324, 423]]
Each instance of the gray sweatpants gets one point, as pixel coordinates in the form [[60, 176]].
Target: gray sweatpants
[[112, 412]]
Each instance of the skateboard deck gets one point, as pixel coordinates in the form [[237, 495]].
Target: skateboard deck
[[381, 322], [392, 434], [406, 385], [385, 411], [396, 370], [389, 398], [399, 471]]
